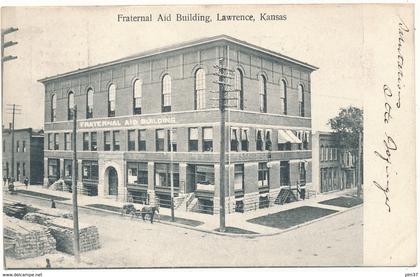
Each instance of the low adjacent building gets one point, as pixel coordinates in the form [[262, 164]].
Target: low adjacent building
[[28, 155]]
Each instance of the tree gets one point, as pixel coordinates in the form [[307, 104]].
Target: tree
[[347, 126], [348, 131]]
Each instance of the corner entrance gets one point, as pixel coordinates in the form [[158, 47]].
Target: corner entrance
[[112, 181]]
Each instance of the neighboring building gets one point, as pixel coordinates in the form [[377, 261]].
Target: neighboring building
[[133, 111], [29, 154], [333, 168]]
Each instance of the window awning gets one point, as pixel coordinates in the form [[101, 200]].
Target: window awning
[[293, 137], [283, 137]]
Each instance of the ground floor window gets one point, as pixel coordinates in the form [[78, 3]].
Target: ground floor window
[[263, 175], [284, 173], [205, 206], [137, 173], [90, 170], [264, 202], [239, 177], [54, 168], [68, 168], [302, 173], [201, 176], [163, 175]]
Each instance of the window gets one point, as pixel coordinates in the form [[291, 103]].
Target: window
[[70, 105], [17, 146], [50, 141], [93, 141], [53, 166], [203, 175], [23, 146], [53, 107], [239, 89], [163, 175], [283, 96], [322, 153], [208, 139], [4, 145], [111, 100], [107, 140], [67, 141], [239, 177], [90, 170], [305, 141], [85, 141], [160, 140], [166, 93], [137, 94], [200, 89], [284, 173], [244, 140], [260, 141], [193, 139], [18, 171], [302, 173], [301, 101], [172, 140], [331, 154], [263, 175], [56, 143], [142, 140], [89, 103], [268, 143], [234, 139], [263, 93], [131, 140], [116, 141], [23, 169], [137, 173], [68, 164]]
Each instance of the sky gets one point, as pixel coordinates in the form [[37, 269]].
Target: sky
[[53, 40]]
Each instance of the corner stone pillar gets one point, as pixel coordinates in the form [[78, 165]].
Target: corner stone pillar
[[45, 184], [182, 177], [274, 181], [151, 182]]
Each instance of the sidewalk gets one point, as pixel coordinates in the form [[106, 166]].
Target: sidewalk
[[264, 221]]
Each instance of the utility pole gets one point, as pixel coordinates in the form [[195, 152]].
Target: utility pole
[[223, 73], [76, 245], [13, 109], [6, 58], [359, 166], [171, 133]]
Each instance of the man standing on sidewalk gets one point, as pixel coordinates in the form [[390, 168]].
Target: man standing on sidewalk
[[26, 182]]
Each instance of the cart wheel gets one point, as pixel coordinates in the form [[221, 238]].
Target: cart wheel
[[147, 217], [133, 214]]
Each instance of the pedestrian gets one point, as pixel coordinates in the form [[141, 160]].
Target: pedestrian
[[53, 204], [4, 181], [26, 182], [8, 179], [48, 263]]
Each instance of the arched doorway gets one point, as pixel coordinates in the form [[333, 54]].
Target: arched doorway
[[112, 181]]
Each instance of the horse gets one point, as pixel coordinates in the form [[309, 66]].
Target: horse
[[149, 211]]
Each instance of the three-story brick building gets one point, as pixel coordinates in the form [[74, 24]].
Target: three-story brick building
[[139, 115]]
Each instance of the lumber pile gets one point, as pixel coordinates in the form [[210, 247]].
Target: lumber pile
[[37, 218], [55, 212], [62, 231], [26, 240]]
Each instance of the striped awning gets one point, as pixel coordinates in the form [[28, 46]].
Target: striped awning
[[294, 138], [283, 137]]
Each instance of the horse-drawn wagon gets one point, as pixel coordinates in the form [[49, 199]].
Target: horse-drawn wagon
[[146, 212]]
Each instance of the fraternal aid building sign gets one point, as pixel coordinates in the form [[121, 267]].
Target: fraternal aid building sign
[[130, 122]]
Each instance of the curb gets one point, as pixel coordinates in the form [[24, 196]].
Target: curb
[[251, 236]]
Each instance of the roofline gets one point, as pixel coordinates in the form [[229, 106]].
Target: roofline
[[181, 46]]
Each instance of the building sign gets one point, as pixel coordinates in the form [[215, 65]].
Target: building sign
[[130, 122]]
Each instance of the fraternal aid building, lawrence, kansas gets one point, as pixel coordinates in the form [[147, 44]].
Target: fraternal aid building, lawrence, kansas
[[140, 114]]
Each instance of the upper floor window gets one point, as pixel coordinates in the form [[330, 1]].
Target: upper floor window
[[263, 93], [23, 146], [4, 145], [111, 100], [166, 93], [239, 89], [93, 141], [70, 106], [54, 107], [17, 146], [234, 139], [200, 89], [107, 140], [322, 153], [116, 141], [160, 140], [260, 140], [67, 141], [208, 139], [131, 140], [137, 94], [301, 101], [56, 142], [89, 103], [142, 140], [86, 141], [283, 96], [172, 140], [268, 143], [50, 141], [193, 139], [244, 139]]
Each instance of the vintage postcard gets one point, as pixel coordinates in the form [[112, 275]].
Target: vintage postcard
[[208, 136]]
